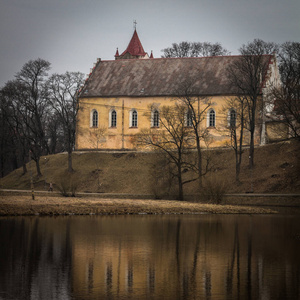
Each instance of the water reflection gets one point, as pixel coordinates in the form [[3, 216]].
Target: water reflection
[[150, 257]]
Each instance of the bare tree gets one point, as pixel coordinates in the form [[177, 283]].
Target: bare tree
[[247, 74], [7, 139], [55, 133], [196, 49], [26, 101], [14, 95], [236, 110], [172, 138], [195, 114], [287, 96], [32, 78], [63, 91]]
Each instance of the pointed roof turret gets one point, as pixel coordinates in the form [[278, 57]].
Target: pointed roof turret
[[135, 47], [117, 53], [151, 55]]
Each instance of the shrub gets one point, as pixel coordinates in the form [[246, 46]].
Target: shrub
[[63, 187], [68, 185], [213, 190], [73, 186]]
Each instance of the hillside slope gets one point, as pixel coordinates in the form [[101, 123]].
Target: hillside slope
[[277, 170]]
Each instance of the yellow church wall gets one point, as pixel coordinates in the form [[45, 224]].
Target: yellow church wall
[[123, 135]]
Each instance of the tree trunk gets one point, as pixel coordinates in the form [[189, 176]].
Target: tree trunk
[[237, 171], [251, 151], [23, 159], [38, 169], [2, 166], [199, 163], [24, 168], [180, 185], [239, 154], [70, 167], [252, 129]]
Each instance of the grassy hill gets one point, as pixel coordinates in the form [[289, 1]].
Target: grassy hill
[[277, 169]]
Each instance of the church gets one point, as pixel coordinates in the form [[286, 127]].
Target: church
[[115, 100]]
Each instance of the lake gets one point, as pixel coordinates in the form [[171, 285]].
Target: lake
[[150, 257]]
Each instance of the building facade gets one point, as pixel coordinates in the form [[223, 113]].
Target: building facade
[[123, 96]]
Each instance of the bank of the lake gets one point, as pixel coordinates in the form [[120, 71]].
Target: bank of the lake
[[46, 205]]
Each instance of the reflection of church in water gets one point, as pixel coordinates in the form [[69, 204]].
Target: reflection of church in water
[[135, 259], [150, 257]]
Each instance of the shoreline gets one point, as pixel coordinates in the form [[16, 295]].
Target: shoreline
[[20, 205]]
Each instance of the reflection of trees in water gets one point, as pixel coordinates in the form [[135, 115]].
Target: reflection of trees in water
[[35, 259], [151, 279], [109, 276], [90, 275], [233, 265], [186, 257], [175, 257], [249, 262]]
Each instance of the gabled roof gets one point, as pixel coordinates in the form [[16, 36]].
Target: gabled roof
[[135, 47], [160, 77]]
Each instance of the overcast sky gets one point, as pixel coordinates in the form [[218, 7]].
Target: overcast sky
[[72, 34]]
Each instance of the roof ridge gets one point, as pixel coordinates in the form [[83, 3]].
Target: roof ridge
[[186, 58], [174, 58]]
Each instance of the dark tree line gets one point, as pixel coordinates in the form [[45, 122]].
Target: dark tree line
[[38, 114], [246, 76], [287, 96], [196, 49], [281, 101]]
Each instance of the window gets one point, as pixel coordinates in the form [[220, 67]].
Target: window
[[232, 118], [133, 118], [211, 118], [189, 118], [155, 118], [113, 118], [94, 118]]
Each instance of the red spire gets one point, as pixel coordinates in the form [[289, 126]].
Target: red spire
[[117, 53], [151, 56], [135, 47]]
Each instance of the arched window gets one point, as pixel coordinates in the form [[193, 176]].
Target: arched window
[[94, 118], [211, 118], [113, 118], [232, 118], [189, 118], [133, 118], [155, 118]]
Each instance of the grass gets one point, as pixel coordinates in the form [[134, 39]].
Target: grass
[[276, 170], [24, 205]]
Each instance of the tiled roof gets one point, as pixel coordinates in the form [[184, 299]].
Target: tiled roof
[[135, 47], [159, 77]]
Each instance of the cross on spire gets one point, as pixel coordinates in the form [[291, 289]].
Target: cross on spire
[[134, 24]]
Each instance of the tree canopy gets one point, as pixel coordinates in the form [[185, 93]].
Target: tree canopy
[[195, 49]]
